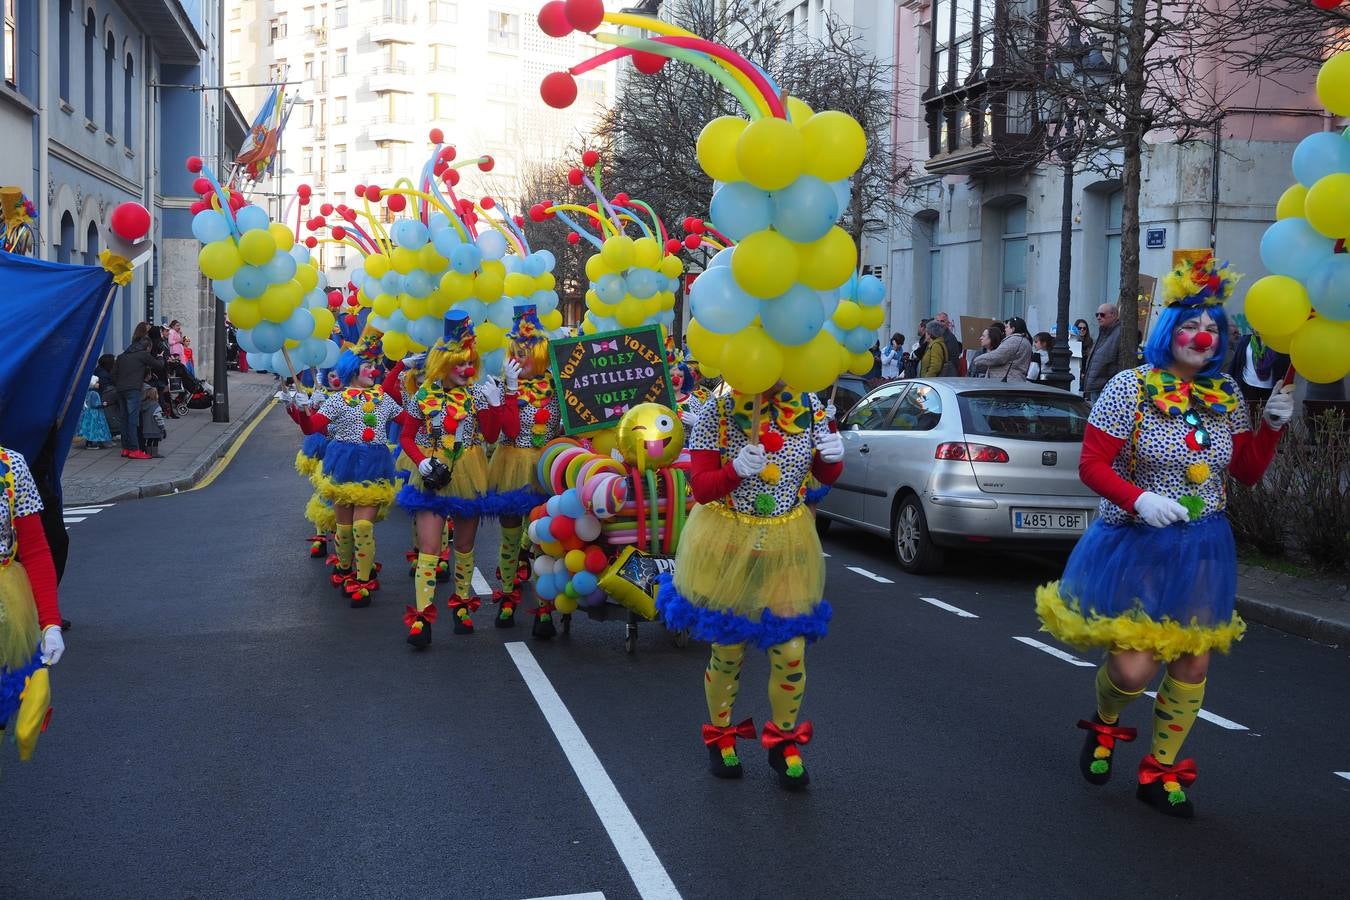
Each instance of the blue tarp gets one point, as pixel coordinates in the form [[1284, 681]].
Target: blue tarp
[[53, 317]]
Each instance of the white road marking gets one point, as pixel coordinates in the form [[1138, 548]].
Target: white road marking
[[86, 509], [480, 584], [1055, 652], [949, 608], [1210, 717], [638, 857], [866, 574], [69, 519], [594, 895], [824, 554], [1345, 775]]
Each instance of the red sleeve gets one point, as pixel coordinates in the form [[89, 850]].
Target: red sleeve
[[393, 382], [36, 557], [490, 423], [314, 423], [509, 424], [826, 473], [1094, 467], [407, 437], [1253, 452], [710, 479]]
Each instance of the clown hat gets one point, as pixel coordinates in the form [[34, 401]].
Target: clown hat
[[369, 346], [458, 327], [526, 328], [1199, 283]]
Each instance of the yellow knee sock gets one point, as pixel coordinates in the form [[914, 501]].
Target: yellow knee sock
[[363, 536], [342, 536], [464, 574], [787, 680], [425, 580], [722, 681], [508, 554], [1174, 713], [1111, 699]]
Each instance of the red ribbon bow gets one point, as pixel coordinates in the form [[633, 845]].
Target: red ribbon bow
[[1183, 773], [470, 604], [412, 614], [1107, 735], [774, 736], [716, 734]]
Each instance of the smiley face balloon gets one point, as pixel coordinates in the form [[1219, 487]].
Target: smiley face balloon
[[650, 436]]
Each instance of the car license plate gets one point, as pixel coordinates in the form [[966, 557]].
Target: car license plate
[[1048, 520]]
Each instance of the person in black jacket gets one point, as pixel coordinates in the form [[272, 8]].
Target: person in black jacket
[[1255, 367], [129, 373]]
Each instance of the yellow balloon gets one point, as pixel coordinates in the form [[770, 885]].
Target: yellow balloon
[[1333, 85], [438, 304], [617, 252], [1290, 204], [219, 259], [798, 111], [1280, 343], [716, 148], [647, 253], [835, 145], [575, 560], [704, 344], [861, 363], [751, 360], [365, 300], [494, 267], [629, 313], [588, 327], [396, 344], [1321, 350], [1277, 304], [546, 282], [765, 264], [487, 286], [812, 366], [456, 287], [290, 343], [414, 307], [595, 267], [490, 336], [552, 320], [431, 260], [771, 153], [385, 305], [672, 267], [323, 322], [552, 548], [282, 236], [828, 262], [403, 260], [243, 313], [847, 315], [872, 317], [604, 440], [257, 247], [565, 604], [307, 277], [377, 266], [1327, 206], [274, 306], [518, 284]]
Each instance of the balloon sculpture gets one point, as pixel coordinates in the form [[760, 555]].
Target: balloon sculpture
[[1303, 309], [20, 216], [782, 181]]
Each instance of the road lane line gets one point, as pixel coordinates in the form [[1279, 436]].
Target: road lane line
[[1055, 652], [1210, 717], [84, 510], [1345, 775], [866, 574], [223, 463], [69, 519], [949, 608], [638, 857], [480, 584], [824, 554], [594, 895]]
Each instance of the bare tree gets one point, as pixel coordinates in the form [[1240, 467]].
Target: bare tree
[[1279, 37]]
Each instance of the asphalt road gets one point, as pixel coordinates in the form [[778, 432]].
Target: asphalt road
[[226, 726]]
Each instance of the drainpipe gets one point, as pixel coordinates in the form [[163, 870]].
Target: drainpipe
[[44, 136], [1214, 185]]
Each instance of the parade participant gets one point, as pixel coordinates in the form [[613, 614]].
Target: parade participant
[[404, 379], [1154, 578], [689, 396], [309, 461], [444, 425], [30, 621], [749, 567], [512, 477], [358, 470]]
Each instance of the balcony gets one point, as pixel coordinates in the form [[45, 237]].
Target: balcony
[[393, 77], [318, 35], [394, 30], [403, 129]]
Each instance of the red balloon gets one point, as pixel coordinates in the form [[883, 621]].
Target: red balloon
[[349, 214], [339, 233], [311, 242], [487, 203], [465, 205], [199, 206], [622, 199], [326, 209], [553, 19], [648, 63], [692, 241], [304, 190], [194, 164], [130, 221], [674, 246], [350, 319], [558, 89], [448, 153], [440, 167], [359, 190], [574, 177], [335, 299], [688, 223], [573, 238], [373, 193], [470, 219], [486, 164], [590, 158], [519, 220], [201, 186], [538, 513], [237, 202], [452, 177], [537, 213], [437, 136], [585, 15], [562, 528], [397, 202], [596, 561], [1326, 4]]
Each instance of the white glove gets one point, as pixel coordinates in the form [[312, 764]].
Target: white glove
[[424, 467], [302, 400], [830, 411], [688, 418], [831, 448], [1280, 407], [282, 397], [1159, 511], [511, 373], [750, 461], [492, 392], [53, 645]]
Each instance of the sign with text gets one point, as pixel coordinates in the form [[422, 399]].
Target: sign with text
[[602, 376]]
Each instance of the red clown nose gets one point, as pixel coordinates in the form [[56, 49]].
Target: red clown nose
[[1203, 341]]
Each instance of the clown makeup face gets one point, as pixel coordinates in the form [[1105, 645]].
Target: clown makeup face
[[677, 379], [1195, 342], [526, 360], [461, 375], [367, 374]]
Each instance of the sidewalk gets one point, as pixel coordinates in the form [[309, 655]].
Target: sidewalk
[[193, 444], [1316, 608]]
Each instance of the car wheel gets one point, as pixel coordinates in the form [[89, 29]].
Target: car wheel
[[914, 547]]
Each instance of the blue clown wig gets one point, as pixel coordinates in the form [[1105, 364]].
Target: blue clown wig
[[347, 366], [688, 373], [1158, 348]]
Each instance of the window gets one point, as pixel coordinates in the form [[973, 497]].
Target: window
[[440, 106], [307, 114], [442, 58], [309, 68], [63, 43], [309, 17], [339, 110], [1014, 267], [339, 257], [396, 9], [307, 160], [128, 105], [89, 65], [397, 105], [340, 158], [340, 14], [1115, 203], [503, 30], [91, 246], [66, 247], [934, 280], [11, 46], [444, 12], [340, 63], [277, 29], [1033, 416], [918, 410], [109, 60], [873, 412]]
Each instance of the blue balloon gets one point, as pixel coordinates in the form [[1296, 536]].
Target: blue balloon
[[244, 337], [224, 289], [391, 283], [268, 337], [331, 352], [438, 221], [311, 351], [357, 276], [548, 258], [553, 506], [501, 312], [410, 234], [300, 253], [474, 308], [642, 283], [805, 210], [740, 209], [398, 321], [492, 362], [251, 218], [843, 193], [571, 505], [849, 289], [859, 339], [428, 329], [280, 268], [322, 282], [419, 284], [209, 226], [829, 300], [316, 299], [584, 582], [1321, 154], [532, 266], [793, 318], [723, 258], [544, 301], [465, 258], [445, 241], [719, 304], [871, 291], [611, 287], [299, 326], [1293, 247], [1329, 288], [492, 244], [250, 282]]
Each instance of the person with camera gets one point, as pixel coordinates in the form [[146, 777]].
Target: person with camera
[[443, 435]]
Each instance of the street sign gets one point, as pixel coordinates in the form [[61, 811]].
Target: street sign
[[602, 376], [1156, 238]]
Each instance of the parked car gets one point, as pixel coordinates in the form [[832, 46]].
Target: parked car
[[952, 462], [849, 389]]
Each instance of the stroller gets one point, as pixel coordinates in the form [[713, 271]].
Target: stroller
[[185, 391], [231, 348]]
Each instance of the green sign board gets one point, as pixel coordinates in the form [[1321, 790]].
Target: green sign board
[[602, 376]]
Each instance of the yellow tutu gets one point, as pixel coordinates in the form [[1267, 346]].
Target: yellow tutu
[[513, 468], [355, 493], [468, 476], [307, 465], [320, 514], [19, 633]]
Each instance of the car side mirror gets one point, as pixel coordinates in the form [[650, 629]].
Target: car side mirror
[[855, 428]]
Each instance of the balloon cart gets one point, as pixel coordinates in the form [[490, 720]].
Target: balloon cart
[[613, 520]]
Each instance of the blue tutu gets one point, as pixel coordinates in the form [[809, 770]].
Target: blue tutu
[[346, 463], [722, 627], [513, 503], [816, 494], [11, 686], [414, 500], [314, 445]]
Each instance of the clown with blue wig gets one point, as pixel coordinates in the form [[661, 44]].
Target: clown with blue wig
[[1154, 579]]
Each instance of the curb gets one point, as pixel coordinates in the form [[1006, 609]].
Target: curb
[[1295, 621], [214, 452]]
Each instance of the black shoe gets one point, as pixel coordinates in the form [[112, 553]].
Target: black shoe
[[723, 766], [792, 776], [442, 572], [1094, 761], [419, 630], [543, 627], [506, 607], [1165, 792]]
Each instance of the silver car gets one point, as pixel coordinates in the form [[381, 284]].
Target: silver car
[[963, 462]]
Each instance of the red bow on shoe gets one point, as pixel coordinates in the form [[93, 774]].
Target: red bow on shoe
[[472, 604], [411, 615], [774, 736], [1107, 735], [1183, 773], [715, 734]]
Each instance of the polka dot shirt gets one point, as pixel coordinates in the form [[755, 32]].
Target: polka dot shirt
[[347, 423], [548, 430], [26, 500], [1162, 459], [467, 434], [793, 461]]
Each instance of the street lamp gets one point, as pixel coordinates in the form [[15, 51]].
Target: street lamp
[[1077, 70]]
